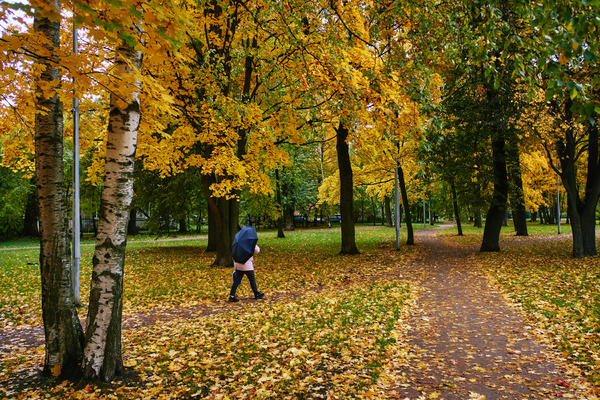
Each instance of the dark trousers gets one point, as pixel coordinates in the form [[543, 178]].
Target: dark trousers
[[237, 279]]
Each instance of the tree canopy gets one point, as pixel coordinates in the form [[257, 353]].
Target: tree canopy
[[280, 107]]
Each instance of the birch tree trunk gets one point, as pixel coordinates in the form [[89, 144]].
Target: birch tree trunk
[[62, 330], [102, 352]]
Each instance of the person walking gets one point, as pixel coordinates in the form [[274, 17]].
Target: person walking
[[239, 270]]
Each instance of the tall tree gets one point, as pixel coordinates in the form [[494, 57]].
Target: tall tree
[[581, 205], [63, 332], [517, 196], [346, 192], [102, 354], [410, 237], [567, 53]]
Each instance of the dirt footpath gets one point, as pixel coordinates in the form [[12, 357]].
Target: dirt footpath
[[465, 340]]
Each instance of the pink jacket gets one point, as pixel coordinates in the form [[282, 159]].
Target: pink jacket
[[249, 265]]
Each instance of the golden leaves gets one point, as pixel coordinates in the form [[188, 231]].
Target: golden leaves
[[56, 370]]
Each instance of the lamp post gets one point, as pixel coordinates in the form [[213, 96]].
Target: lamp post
[[397, 203], [76, 227], [557, 195]]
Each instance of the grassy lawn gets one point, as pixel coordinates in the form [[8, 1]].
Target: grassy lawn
[[175, 273], [333, 338], [255, 350], [473, 235]]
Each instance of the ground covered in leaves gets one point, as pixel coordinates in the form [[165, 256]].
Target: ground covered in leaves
[[431, 321]]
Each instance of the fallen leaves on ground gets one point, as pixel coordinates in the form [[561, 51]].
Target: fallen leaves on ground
[[178, 274], [332, 333], [561, 292], [327, 346]]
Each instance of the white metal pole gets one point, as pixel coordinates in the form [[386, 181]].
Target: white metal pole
[[323, 180], [424, 219], [76, 212], [397, 205], [557, 196], [430, 220]]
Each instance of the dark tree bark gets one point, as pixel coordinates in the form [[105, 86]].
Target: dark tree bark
[[183, 226], [410, 239], [30, 221], [456, 209], [533, 217], [62, 330], [497, 210], [219, 209], [516, 190], [132, 228], [581, 211], [280, 233], [346, 192], [288, 216], [478, 220], [212, 231], [388, 212], [543, 217]]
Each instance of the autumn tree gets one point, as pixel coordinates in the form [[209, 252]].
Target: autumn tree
[[102, 353], [228, 86], [567, 55], [63, 332]]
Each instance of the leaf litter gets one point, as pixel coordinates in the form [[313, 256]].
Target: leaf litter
[[370, 326]]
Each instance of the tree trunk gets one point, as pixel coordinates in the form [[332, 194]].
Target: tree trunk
[[346, 192], [212, 230], [478, 220], [388, 212], [219, 208], [280, 233], [542, 215], [62, 330], [497, 210], [581, 212], [183, 226], [132, 228], [456, 210], [288, 215], [30, 221], [102, 353], [410, 240], [516, 186], [533, 217]]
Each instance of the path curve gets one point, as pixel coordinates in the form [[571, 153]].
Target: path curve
[[466, 340]]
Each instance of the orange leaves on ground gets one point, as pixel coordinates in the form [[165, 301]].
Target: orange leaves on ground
[[560, 292]]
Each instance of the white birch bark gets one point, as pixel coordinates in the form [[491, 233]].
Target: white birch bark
[[63, 333], [102, 352]]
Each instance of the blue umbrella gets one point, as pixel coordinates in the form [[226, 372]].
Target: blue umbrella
[[243, 244]]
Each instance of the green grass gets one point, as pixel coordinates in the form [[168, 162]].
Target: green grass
[[331, 340], [472, 234], [174, 273]]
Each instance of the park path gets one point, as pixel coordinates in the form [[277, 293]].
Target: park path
[[463, 338], [466, 340]]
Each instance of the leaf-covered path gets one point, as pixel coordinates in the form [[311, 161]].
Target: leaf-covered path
[[465, 340], [458, 337]]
